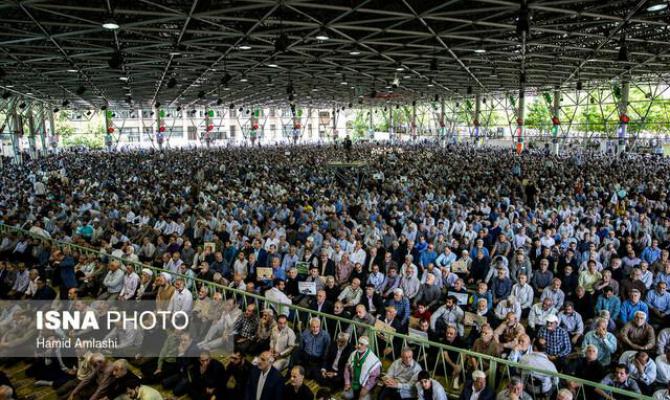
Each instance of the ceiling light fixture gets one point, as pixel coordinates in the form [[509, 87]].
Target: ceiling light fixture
[[73, 70], [480, 51], [111, 25], [354, 53], [660, 6], [322, 35], [123, 78], [244, 78]]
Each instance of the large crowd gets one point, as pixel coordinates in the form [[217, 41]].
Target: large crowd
[[559, 263]]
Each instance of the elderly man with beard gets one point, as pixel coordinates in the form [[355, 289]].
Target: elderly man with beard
[[361, 372]]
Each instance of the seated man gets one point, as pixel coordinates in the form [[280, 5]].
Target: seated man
[[631, 306], [332, 371], [539, 313], [663, 367], [239, 369], [372, 301], [282, 343], [314, 343], [590, 368], [557, 341], [296, 388], [507, 333], [246, 328], [641, 368], [605, 342], [638, 334], [514, 390], [430, 389], [361, 373], [539, 384], [475, 388], [571, 321], [136, 391], [619, 379], [398, 382], [658, 301], [205, 379]]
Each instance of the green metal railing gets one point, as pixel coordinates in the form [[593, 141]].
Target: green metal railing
[[430, 354]]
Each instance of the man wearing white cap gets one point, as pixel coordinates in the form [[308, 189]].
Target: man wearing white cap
[[165, 291], [362, 371], [146, 289], [557, 340], [474, 389]]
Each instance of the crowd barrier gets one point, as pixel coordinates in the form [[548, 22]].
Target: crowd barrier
[[498, 370]]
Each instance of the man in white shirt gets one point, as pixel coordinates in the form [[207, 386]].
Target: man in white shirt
[[130, 283], [113, 281], [663, 367], [541, 384], [282, 343], [279, 300], [182, 299], [358, 254], [401, 377]]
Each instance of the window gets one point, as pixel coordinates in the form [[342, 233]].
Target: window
[[233, 113], [192, 133], [273, 129], [232, 131], [175, 132], [133, 134], [273, 112]]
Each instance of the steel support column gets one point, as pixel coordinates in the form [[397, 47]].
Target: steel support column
[[160, 129], [414, 120], [520, 118], [32, 128], [555, 120], [15, 133], [372, 125], [109, 129], [391, 127], [334, 126], [43, 129], [443, 129], [623, 116], [52, 129], [475, 119]]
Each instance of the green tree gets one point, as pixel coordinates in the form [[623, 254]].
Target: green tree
[[539, 116], [63, 125]]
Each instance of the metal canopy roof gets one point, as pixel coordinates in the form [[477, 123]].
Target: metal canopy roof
[[178, 52]]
